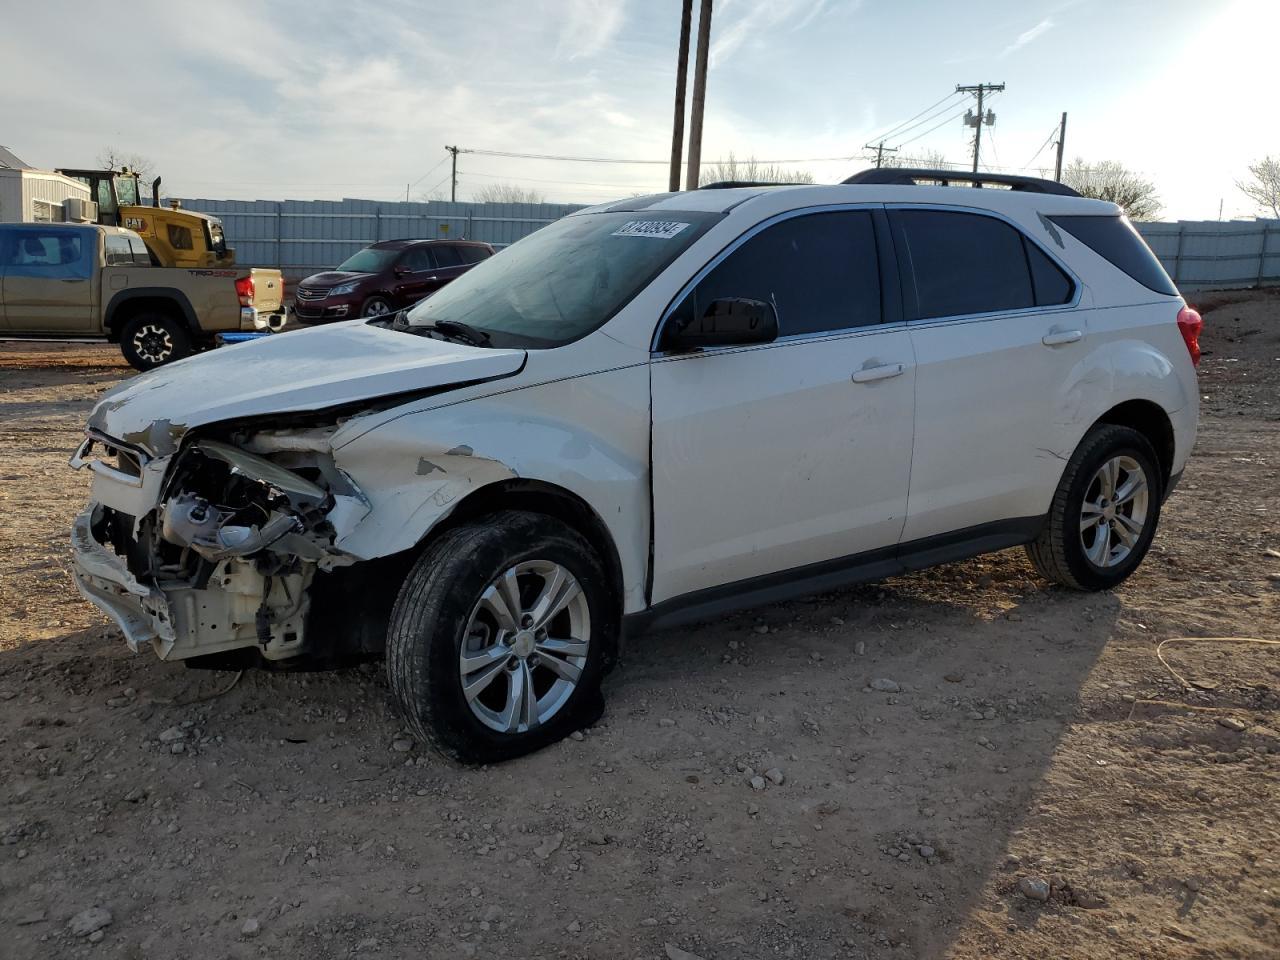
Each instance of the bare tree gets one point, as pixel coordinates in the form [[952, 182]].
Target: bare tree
[[113, 158], [923, 160], [507, 193], [1109, 180], [1263, 187], [750, 171]]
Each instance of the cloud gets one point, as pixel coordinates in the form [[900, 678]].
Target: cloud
[[756, 22], [589, 26], [1027, 36]]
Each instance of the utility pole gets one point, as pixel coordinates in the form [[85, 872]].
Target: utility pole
[[1062, 140], [699, 97], [880, 150], [977, 122], [682, 71], [453, 191]]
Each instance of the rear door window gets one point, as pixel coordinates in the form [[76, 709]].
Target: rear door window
[[416, 259], [474, 254], [1114, 239], [960, 264], [65, 254], [446, 255], [820, 271]]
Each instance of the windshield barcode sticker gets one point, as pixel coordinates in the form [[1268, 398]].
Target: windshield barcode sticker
[[658, 229]]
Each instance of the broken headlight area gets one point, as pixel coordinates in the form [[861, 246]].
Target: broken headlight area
[[223, 502]]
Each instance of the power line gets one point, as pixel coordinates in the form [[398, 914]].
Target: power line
[[548, 156], [568, 159], [580, 183], [919, 123], [955, 116], [991, 136], [438, 183], [1047, 140], [899, 127], [429, 172]]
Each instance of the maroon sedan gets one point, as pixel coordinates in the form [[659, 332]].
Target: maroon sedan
[[385, 277]]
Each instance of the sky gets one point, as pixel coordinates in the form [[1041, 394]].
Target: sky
[[279, 99]]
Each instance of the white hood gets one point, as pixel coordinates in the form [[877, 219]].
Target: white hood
[[294, 372]]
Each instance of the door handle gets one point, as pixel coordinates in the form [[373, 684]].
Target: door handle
[[882, 372], [1056, 338]]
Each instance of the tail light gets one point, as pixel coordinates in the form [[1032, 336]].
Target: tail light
[[1189, 325], [244, 290]]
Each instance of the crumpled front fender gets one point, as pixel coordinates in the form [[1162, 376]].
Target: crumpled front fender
[[586, 435]]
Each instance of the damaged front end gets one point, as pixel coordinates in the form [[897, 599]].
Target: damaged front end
[[214, 548]]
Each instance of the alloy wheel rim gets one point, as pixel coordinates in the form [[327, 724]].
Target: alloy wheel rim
[[378, 308], [152, 343], [525, 646], [1114, 512]]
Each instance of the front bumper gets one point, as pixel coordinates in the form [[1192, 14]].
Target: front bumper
[[140, 611], [327, 309]]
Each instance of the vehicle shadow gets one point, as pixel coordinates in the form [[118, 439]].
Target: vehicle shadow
[[911, 795], [888, 826]]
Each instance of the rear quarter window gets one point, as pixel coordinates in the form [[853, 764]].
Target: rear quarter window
[[1052, 286], [1114, 239]]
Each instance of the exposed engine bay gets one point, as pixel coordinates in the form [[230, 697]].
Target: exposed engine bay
[[240, 532]]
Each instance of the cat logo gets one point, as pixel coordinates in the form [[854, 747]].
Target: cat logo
[[135, 223]]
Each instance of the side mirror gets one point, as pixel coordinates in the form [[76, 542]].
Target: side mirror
[[401, 271], [728, 322]]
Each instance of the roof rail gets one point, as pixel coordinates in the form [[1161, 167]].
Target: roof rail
[[732, 184], [907, 176]]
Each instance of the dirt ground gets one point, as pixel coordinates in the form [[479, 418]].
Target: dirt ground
[[1034, 736]]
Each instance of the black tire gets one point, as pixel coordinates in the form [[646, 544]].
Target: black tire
[[431, 614], [150, 340], [1059, 552], [377, 307]]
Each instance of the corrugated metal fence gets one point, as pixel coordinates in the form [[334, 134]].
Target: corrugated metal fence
[[1199, 254], [304, 236]]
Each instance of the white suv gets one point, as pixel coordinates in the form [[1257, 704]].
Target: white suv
[[652, 411]]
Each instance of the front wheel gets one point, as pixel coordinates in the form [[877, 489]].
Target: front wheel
[[377, 307], [501, 636], [1104, 512], [152, 339]]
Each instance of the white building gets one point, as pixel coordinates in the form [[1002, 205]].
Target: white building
[[28, 195]]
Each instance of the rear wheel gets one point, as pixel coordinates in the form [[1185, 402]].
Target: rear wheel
[[500, 637], [152, 339], [1104, 512]]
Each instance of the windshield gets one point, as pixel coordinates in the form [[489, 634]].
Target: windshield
[[565, 280], [368, 260], [127, 191]]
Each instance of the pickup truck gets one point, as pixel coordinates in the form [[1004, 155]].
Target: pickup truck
[[86, 280]]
